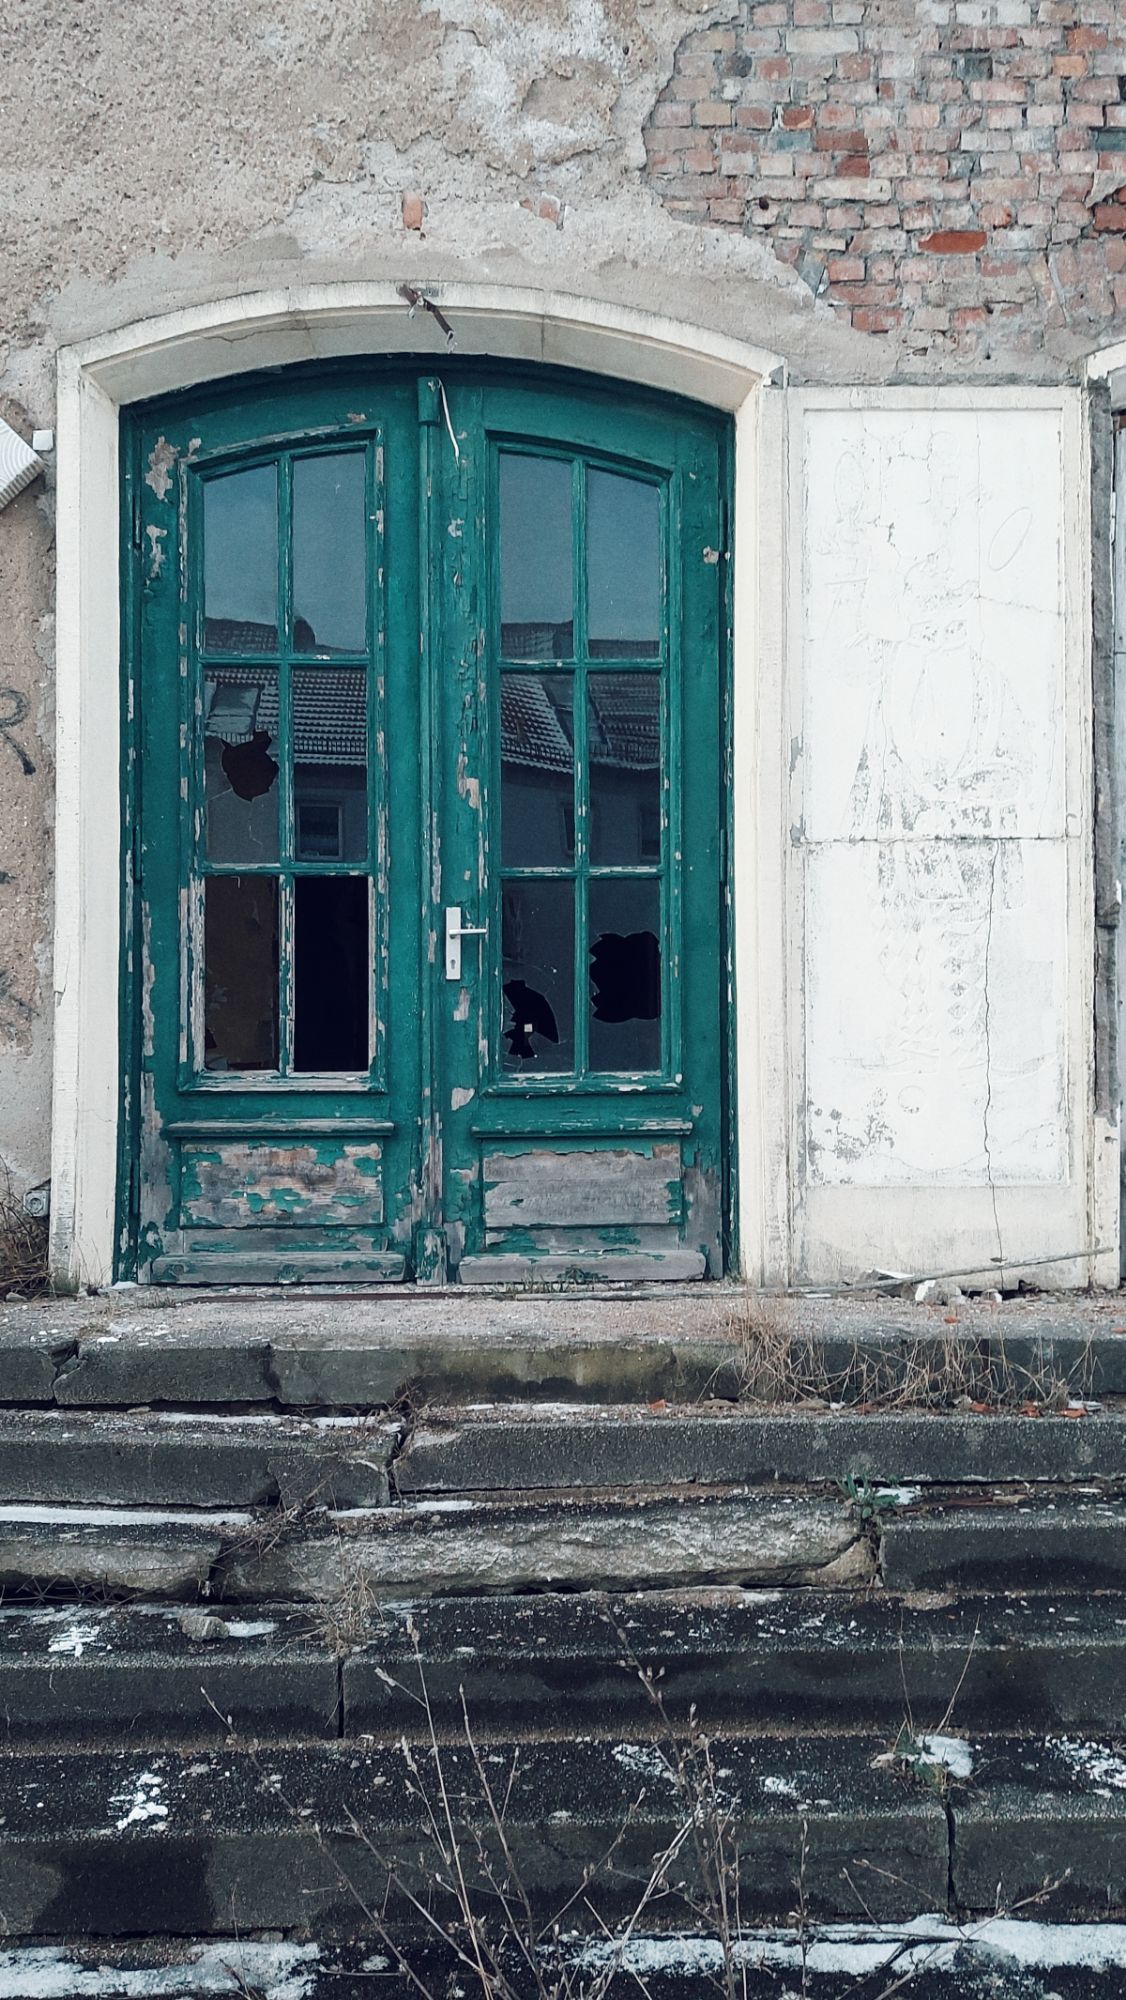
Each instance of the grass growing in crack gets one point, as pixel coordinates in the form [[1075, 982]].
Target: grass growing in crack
[[868, 1502], [776, 1363]]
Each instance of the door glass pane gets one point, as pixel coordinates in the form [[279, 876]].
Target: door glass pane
[[625, 973], [331, 972], [623, 566], [240, 730], [329, 708], [536, 592], [624, 762], [240, 561], [329, 553], [241, 972], [539, 976], [537, 802]]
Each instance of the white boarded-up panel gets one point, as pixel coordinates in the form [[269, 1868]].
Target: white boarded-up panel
[[936, 1023], [941, 828], [932, 663]]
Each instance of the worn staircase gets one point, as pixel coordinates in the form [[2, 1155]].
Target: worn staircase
[[281, 1578]]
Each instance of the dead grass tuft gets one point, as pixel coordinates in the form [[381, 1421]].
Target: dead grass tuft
[[779, 1364], [25, 1272]]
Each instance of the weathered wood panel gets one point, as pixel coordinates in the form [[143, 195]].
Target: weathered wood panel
[[260, 1184], [617, 1187]]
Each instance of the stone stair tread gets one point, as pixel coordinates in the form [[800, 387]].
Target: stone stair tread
[[540, 1542], [144, 1672], [547, 1446], [151, 1457], [746, 1659], [366, 1351], [100, 1840]]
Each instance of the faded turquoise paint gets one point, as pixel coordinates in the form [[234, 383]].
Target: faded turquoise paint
[[436, 1098]]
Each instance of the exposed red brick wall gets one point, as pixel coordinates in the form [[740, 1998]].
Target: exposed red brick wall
[[952, 171]]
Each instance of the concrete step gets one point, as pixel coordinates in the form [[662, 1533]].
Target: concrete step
[[745, 1659], [368, 1353], [84, 1552], [984, 1539], [165, 1458], [149, 1673], [1000, 1958], [564, 1541], [1005, 1538], [103, 1843], [541, 1446]]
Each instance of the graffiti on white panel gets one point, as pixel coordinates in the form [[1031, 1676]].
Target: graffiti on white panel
[[936, 1045], [933, 628]]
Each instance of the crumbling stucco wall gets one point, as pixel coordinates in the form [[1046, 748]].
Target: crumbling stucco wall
[[166, 156]]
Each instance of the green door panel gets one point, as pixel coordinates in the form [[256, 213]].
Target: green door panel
[[421, 669]]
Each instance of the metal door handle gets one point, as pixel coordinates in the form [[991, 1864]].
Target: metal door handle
[[455, 931]]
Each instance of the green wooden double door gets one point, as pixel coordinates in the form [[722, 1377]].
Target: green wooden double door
[[427, 797]]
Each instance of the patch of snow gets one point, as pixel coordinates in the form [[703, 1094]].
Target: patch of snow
[[899, 1496], [250, 1628], [280, 1971], [144, 1801], [953, 1752], [1103, 1768], [930, 1942], [784, 1788], [643, 1760], [74, 1639], [117, 1517]]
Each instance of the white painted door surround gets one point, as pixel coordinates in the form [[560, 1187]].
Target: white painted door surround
[[913, 1001]]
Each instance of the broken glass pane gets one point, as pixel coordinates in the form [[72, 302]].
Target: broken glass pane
[[624, 762], [329, 721], [240, 727], [240, 561], [331, 973], [625, 973], [536, 592], [329, 553], [240, 972], [623, 566], [537, 812], [539, 977]]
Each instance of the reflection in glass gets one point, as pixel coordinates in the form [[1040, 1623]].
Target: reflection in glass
[[624, 762], [539, 977], [241, 972], [331, 972], [537, 809], [536, 593], [623, 566], [240, 730], [329, 723], [329, 553], [625, 973], [240, 561]]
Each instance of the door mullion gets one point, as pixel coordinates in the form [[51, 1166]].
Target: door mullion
[[582, 786], [286, 844]]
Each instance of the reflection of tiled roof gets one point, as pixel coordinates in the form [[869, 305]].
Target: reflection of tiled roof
[[536, 726], [329, 710], [625, 722], [537, 640], [532, 728], [246, 635], [239, 635]]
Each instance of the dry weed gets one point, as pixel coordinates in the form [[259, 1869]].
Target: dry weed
[[25, 1272], [778, 1363]]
